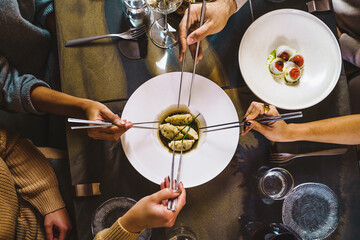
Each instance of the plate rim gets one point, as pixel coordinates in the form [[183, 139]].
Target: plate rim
[[137, 165], [316, 19]]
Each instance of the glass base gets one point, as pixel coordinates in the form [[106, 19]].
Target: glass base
[[161, 38]]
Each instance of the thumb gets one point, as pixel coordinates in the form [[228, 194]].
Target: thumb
[[199, 34], [164, 194]]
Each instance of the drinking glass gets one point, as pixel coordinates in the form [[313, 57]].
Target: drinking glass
[[181, 233], [136, 11], [255, 230], [276, 183], [161, 33]]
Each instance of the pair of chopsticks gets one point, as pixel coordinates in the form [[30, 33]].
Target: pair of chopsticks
[[262, 120], [98, 124], [196, 53], [172, 202]]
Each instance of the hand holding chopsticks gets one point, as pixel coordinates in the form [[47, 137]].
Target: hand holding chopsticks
[[262, 120]]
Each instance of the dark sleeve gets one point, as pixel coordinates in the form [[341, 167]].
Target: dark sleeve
[[42, 9], [15, 88]]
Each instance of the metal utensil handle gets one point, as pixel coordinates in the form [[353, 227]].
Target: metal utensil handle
[[174, 202], [169, 206], [197, 50], [76, 120], [88, 39], [184, 55], [87, 127], [281, 118], [329, 152]]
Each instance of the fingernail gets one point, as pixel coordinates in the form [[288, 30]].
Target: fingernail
[[248, 124], [244, 119], [190, 41], [117, 122], [177, 191], [122, 122]]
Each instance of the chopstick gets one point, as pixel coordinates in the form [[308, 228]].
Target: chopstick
[[172, 202], [99, 124], [202, 14], [169, 206], [261, 120], [184, 55]]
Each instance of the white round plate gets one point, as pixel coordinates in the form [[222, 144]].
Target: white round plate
[[303, 32], [214, 150]]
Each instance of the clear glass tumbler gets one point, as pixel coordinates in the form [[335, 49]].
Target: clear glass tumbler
[[181, 233], [276, 183], [136, 11]]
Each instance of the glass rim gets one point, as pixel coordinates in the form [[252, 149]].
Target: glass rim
[[126, 2]]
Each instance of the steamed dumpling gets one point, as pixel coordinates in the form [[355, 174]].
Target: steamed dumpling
[[169, 131], [192, 134], [179, 119], [187, 145], [284, 52]]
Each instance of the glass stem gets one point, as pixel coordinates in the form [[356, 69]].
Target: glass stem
[[166, 30]]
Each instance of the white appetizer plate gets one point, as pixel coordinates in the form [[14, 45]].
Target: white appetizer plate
[[303, 32], [214, 150]]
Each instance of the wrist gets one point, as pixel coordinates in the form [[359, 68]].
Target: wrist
[[130, 224], [231, 6], [84, 105], [295, 132]]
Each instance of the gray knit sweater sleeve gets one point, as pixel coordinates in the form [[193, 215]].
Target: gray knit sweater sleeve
[[350, 49], [15, 88]]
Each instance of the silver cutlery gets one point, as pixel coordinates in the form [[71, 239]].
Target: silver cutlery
[[184, 55], [281, 158], [99, 124], [263, 120], [173, 202], [197, 49], [129, 34]]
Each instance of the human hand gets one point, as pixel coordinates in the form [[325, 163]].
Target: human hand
[[278, 131], [57, 225], [151, 212], [216, 16], [96, 111]]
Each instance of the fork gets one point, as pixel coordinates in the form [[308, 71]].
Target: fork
[[281, 158], [129, 34]]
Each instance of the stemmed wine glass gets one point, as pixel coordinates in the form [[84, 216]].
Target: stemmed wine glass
[[159, 32]]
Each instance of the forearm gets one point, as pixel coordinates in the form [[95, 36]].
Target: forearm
[[50, 101], [339, 130], [34, 178], [116, 231], [15, 88]]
